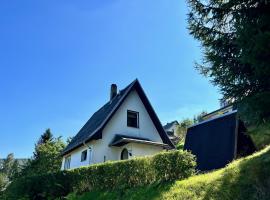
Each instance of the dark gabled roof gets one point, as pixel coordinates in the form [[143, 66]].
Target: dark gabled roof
[[170, 124], [94, 126]]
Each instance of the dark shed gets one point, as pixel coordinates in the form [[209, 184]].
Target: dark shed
[[216, 142], [213, 141]]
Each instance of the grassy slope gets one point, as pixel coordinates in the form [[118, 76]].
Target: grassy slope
[[247, 178]]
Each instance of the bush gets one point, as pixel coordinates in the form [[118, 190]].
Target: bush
[[166, 166]]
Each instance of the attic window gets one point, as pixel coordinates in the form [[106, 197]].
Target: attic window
[[84, 155], [132, 119]]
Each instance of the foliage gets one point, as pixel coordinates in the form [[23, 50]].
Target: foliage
[[3, 181], [199, 117], [233, 182], [167, 166], [235, 36], [10, 167], [48, 160], [47, 156], [47, 136], [180, 144], [181, 129], [8, 171], [255, 110], [260, 134]]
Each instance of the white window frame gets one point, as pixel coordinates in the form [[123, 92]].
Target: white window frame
[[67, 162], [137, 118]]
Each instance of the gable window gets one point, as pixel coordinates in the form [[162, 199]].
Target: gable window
[[132, 119], [67, 162], [84, 155]]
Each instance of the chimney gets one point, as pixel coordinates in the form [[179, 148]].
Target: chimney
[[113, 91]]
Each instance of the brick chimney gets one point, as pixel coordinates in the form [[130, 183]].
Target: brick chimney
[[113, 91]]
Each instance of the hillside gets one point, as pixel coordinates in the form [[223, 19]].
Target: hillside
[[246, 178]]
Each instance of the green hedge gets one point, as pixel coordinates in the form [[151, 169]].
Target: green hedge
[[166, 166]]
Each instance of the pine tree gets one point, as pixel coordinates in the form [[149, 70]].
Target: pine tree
[[47, 136], [235, 36], [8, 165]]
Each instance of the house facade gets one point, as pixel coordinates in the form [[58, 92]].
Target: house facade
[[125, 127]]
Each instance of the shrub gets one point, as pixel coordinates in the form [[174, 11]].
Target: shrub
[[167, 166]]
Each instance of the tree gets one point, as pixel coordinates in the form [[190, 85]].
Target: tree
[[45, 137], [235, 36], [47, 156], [8, 170], [3, 181], [181, 131], [10, 167], [199, 117]]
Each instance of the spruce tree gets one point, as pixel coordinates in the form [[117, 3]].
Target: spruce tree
[[235, 38]]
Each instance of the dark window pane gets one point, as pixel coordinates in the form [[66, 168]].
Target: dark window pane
[[84, 155], [133, 119]]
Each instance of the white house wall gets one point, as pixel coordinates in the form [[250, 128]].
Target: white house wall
[[144, 150], [118, 125]]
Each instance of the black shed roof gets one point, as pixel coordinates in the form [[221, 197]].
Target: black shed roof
[[94, 126]]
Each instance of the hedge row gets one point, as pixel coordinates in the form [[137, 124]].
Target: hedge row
[[166, 166]]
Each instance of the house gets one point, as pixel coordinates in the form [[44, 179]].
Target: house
[[218, 139], [170, 129], [125, 127]]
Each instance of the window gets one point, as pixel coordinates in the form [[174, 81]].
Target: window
[[124, 154], [67, 162], [132, 119], [84, 155]]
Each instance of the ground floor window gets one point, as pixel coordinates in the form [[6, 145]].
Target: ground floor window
[[84, 155], [67, 162], [124, 154]]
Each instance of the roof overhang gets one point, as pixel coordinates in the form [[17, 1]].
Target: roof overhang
[[121, 140]]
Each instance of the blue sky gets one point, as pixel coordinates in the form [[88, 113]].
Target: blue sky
[[58, 59]]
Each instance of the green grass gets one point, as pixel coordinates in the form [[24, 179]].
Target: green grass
[[243, 179]]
